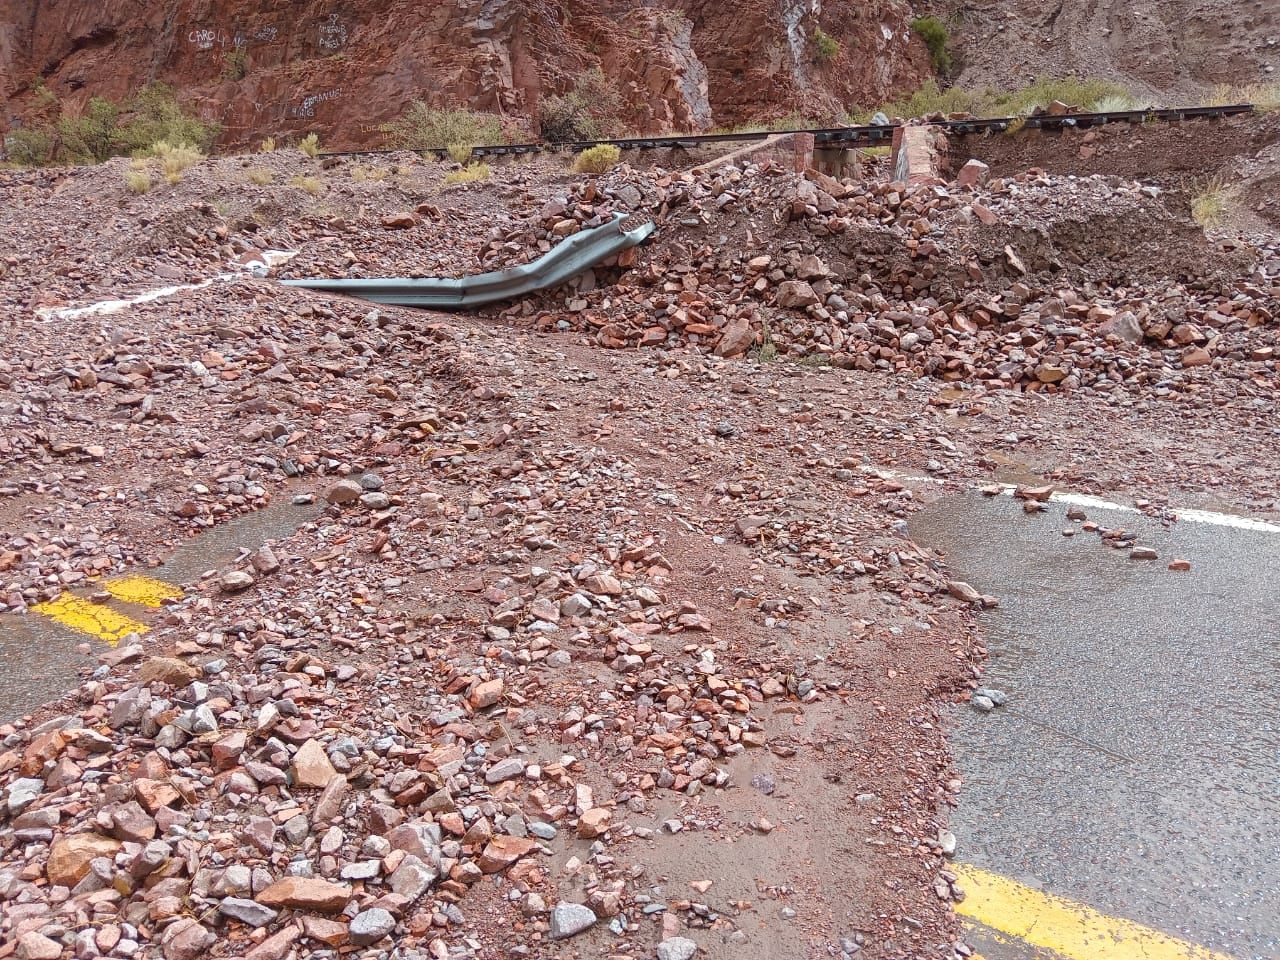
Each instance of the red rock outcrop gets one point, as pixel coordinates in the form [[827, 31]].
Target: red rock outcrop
[[281, 67]]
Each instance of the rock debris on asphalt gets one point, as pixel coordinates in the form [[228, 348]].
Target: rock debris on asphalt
[[565, 601]]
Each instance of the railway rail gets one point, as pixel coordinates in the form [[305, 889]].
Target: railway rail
[[849, 137]]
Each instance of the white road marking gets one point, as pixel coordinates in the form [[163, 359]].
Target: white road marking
[[104, 307], [1098, 503]]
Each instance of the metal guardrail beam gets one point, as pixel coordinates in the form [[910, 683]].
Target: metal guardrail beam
[[864, 136], [562, 263]]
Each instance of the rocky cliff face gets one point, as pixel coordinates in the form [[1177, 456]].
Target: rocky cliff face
[[1164, 51], [341, 68]]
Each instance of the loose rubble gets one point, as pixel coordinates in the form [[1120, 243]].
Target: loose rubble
[[541, 630]]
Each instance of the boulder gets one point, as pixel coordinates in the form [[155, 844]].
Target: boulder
[[170, 670], [502, 851], [185, 939], [311, 767], [737, 339], [36, 946], [973, 173], [69, 857], [1123, 325], [307, 893], [570, 919], [370, 926], [796, 295]]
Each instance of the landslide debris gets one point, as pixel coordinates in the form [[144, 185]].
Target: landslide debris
[[569, 649]]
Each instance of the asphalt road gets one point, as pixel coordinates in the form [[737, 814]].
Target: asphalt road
[[1136, 765], [40, 657]]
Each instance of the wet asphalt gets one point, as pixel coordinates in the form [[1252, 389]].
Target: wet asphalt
[[38, 663], [40, 659], [1136, 765]]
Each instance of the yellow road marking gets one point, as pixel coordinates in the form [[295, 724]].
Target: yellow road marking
[[147, 591], [1067, 928], [91, 618]]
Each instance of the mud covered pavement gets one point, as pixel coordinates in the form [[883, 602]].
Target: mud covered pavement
[[578, 651]]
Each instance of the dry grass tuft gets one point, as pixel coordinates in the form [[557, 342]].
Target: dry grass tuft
[[1212, 201], [471, 173], [310, 145], [137, 181], [459, 152], [1115, 103], [598, 159], [1264, 96], [311, 185], [174, 158], [261, 176]]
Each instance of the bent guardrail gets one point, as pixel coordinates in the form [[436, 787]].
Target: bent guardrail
[[561, 264]]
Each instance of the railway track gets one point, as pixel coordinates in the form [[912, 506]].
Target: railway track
[[863, 136]]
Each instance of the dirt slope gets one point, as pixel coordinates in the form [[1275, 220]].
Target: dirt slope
[[1164, 50]]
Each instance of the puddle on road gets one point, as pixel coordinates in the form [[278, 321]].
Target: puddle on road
[[1137, 764], [39, 660], [219, 546], [1012, 470]]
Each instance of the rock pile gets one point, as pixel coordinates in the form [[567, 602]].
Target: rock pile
[[984, 285]]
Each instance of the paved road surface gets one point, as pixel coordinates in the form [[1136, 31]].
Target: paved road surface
[[1136, 767], [39, 652]]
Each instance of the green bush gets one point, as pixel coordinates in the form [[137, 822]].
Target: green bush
[[826, 47], [430, 128], [934, 34], [235, 65], [30, 146], [92, 136], [598, 159], [105, 129], [156, 115], [587, 112], [44, 96], [567, 118]]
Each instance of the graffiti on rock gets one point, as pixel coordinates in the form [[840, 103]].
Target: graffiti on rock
[[307, 108], [333, 33], [206, 38]]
